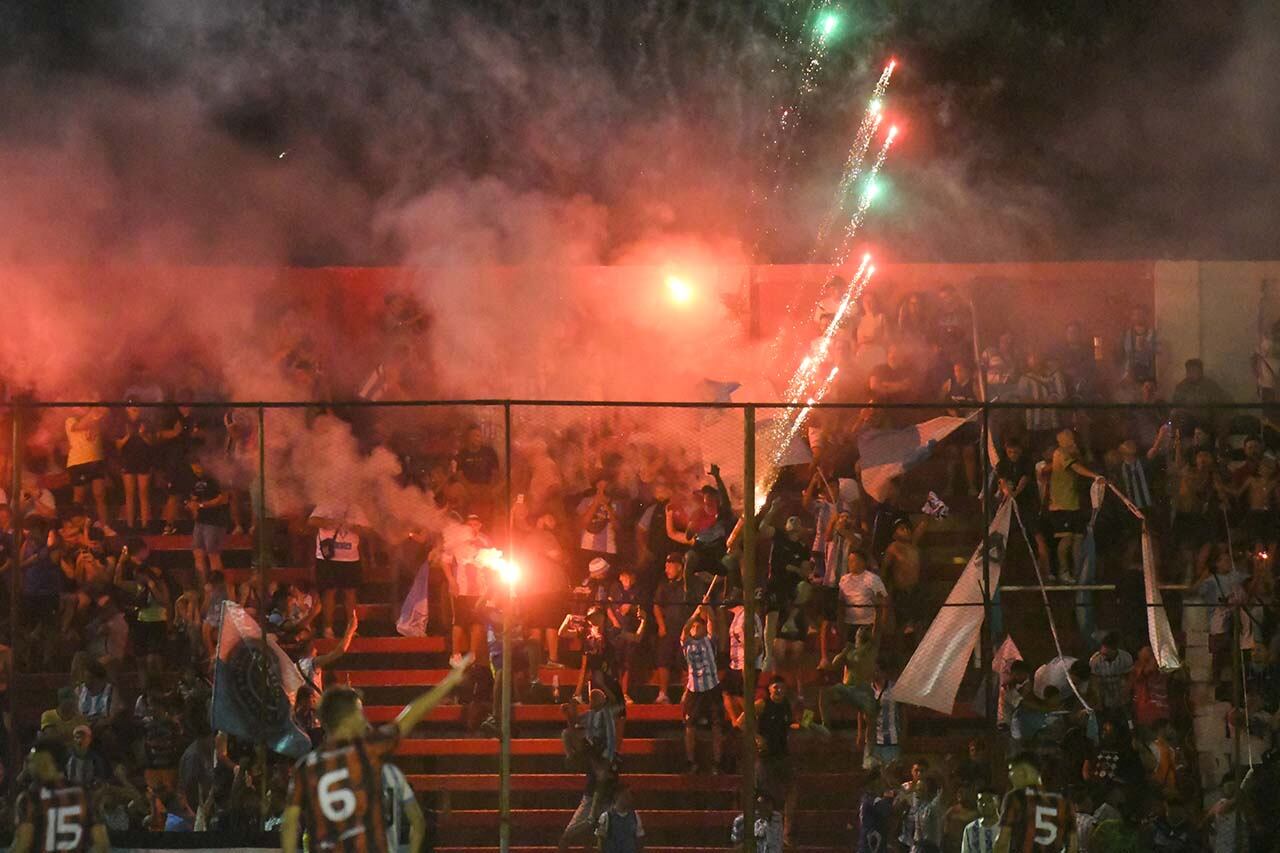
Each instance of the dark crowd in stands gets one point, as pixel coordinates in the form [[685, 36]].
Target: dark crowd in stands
[[630, 546]]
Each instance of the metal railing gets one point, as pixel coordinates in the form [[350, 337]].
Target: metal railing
[[404, 465]]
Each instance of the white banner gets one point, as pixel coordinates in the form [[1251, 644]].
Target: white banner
[[932, 677], [1162, 643], [889, 453]]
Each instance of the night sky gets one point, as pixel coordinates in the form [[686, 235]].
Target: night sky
[[1054, 131]]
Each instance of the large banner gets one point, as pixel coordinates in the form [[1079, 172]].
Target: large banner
[[932, 677], [254, 686], [889, 453]]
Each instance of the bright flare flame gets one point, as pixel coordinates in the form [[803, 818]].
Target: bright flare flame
[[507, 570], [829, 24], [679, 290]]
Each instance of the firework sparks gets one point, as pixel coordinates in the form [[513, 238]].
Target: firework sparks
[[871, 119], [803, 385], [868, 194]]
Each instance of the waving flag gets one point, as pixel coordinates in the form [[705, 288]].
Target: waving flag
[[932, 677], [889, 453], [254, 687], [416, 607], [1163, 645]]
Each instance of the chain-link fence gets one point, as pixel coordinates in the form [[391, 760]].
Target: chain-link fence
[[390, 511]]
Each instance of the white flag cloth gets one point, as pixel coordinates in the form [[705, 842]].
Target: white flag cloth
[[932, 677], [889, 453], [416, 608], [1158, 628], [1159, 632]]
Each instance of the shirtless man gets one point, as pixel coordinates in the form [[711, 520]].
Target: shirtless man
[[902, 565], [1259, 491]]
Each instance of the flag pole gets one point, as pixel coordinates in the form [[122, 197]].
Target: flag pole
[[747, 568], [261, 543], [15, 573], [504, 759]]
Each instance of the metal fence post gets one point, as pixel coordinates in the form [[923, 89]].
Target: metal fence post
[[504, 760], [987, 649], [260, 518], [15, 571], [748, 570]]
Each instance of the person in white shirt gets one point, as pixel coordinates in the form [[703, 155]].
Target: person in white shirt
[[862, 595], [338, 564], [1062, 672], [733, 681], [980, 835]]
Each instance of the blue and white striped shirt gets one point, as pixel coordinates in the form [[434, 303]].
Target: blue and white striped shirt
[[979, 838], [889, 723], [700, 654]]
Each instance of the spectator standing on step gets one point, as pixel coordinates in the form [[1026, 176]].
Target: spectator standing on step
[[86, 462], [467, 581], [339, 567], [670, 612], [702, 687], [312, 666], [210, 505]]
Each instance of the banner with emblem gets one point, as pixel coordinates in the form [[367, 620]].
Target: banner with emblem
[[254, 686], [931, 679]]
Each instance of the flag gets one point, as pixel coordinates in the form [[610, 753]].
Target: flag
[[1087, 566], [890, 453], [932, 677], [1004, 657], [254, 688], [1158, 629], [415, 609]]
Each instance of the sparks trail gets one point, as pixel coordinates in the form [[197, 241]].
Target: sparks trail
[[868, 194], [871, 119], [801, 387], [781, 149]]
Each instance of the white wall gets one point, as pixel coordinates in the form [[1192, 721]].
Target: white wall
[[1214, 310]]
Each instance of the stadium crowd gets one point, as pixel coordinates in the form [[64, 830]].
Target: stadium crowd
[[630, 547]]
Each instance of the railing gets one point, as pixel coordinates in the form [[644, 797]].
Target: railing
[[401, 473]]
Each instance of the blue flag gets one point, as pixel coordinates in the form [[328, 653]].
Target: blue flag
[[254, 686]]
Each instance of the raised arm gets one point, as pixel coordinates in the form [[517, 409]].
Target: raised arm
[[420, 707], [332, 657], [674, 534]]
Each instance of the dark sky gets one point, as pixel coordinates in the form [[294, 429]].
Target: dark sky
[[1063, 130]]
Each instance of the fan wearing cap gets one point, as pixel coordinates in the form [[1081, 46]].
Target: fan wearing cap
[[707, 533]]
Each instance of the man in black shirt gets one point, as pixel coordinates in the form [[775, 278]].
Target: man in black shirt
[[478, 465], [477, 462], [774, 722], [1016, 478], [210, 506]]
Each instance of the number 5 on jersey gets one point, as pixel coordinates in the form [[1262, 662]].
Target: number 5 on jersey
[[1046, 825]]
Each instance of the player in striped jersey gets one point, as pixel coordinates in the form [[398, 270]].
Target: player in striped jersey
[[1032, 819], [52, 815], [336, 793]]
